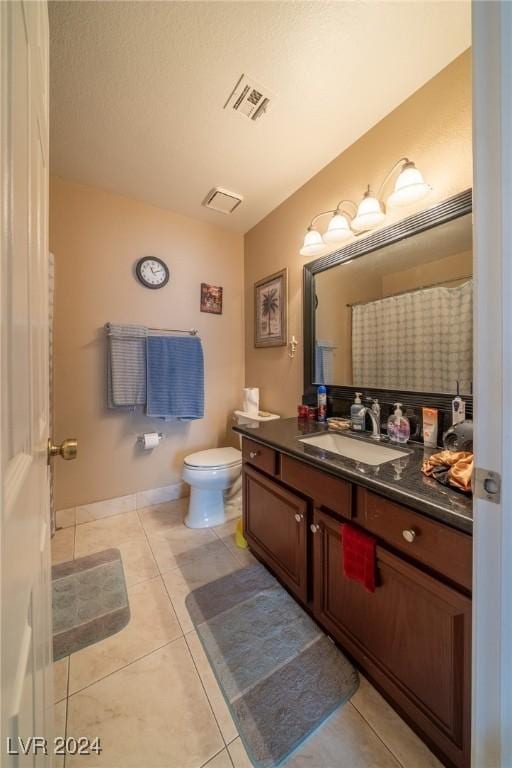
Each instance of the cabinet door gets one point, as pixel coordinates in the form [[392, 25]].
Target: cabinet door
[[412, 636], [275, 527]]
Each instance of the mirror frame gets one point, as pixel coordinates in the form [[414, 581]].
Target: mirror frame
[[453, 208]]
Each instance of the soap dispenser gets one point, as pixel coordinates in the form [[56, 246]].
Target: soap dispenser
[[357, 414], [458, 409], [399, 428]]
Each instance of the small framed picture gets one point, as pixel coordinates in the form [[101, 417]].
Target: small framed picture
[[270, 310], [211, 299]]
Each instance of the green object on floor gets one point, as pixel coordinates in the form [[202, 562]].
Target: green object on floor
[[240, 540]]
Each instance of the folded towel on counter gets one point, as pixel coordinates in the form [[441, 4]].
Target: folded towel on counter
[[126, 365], [175, 377], [359, 556], [453, 468]]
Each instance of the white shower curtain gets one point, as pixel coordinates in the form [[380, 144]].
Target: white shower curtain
[[420, 341]]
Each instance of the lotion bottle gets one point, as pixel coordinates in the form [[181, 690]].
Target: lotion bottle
[[458, 409], [357, 414], [322, 402], [399, 428]]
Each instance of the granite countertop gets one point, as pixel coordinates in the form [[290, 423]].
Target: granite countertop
[[400, 480]]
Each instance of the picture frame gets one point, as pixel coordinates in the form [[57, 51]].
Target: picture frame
[[271, 310], [211, 299]]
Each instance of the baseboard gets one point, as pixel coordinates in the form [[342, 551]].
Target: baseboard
[[97, 510], [160, 495]]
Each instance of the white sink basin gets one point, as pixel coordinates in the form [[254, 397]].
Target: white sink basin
[[372, 453]]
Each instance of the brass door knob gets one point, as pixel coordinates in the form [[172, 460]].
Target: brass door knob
[[409, 535], [68, 449]]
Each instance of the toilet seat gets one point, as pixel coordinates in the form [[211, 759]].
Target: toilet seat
[[214, 458]]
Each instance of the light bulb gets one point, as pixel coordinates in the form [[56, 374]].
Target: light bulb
[[313, 243], [409, 187], [338, 230], [369, 213]]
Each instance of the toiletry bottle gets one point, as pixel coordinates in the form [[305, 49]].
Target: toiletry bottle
[[392, 428], [376, 409], [458, 409], [404, 428], [430, 427], [322, 403], [399, 429], [357, 414]]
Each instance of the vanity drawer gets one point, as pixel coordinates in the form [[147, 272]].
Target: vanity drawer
[[260, 456], [326, 491], [436, 545]]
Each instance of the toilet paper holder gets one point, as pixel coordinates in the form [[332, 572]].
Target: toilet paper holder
[[140, 439]]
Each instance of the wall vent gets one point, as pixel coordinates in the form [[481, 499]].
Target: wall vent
[[221, 200], [248, 98]]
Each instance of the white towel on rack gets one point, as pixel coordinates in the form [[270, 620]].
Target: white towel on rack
[[126, 365]]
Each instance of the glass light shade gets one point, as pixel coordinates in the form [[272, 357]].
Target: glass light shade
[[409, 187], [313, 243], [338, 230], [369, 214]]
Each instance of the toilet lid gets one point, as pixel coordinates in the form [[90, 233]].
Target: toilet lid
[[214, 457]]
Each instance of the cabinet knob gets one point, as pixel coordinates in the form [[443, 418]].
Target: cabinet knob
[[314, 528], [299, 517], [253, 454], [409, 535]]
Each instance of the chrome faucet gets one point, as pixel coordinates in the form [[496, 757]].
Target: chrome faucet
[[373, 413]]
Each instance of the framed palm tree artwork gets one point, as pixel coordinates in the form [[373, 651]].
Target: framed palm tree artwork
[[270, 310]]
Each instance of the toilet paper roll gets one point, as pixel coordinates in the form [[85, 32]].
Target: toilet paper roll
[[151, 440], [251, 401]]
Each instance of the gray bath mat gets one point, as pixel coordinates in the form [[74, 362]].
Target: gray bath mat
[[89, 601], [280, 674]]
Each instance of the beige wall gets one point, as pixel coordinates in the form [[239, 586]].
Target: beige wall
[[433, 127], [96, 238], [454, 269]]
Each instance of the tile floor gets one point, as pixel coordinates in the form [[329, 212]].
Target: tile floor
[[148, 692]]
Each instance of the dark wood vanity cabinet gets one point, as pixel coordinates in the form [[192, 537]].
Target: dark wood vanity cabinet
[[275, 524], [412, 636]]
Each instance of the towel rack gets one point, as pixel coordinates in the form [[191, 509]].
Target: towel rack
[[191, 331]]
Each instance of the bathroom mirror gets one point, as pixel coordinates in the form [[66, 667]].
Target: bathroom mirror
[[393, 311]]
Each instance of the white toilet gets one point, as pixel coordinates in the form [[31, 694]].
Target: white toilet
[[210, 473], [215, 479]]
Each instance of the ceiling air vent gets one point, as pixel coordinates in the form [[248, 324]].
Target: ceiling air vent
[[221, 200], [248, 98]]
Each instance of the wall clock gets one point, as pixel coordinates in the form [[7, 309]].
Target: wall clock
[[152, 272]]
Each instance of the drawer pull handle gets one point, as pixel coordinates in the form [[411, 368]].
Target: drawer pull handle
[[299, 517], [253, 454], [409, 535], [314, 528]]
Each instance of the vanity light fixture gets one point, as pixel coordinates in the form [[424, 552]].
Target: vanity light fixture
[[371, 211], [409, 186], [338, 230], [313, 243]]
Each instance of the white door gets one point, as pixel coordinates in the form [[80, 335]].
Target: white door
[[25, 629], [492, 539]]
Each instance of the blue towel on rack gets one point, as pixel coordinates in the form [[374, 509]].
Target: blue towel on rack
[[175, 377]]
